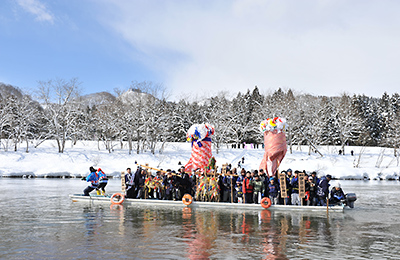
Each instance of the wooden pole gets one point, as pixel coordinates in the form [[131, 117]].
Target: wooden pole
[[151, 168], [198, 173], [231, 189], [327, 205]]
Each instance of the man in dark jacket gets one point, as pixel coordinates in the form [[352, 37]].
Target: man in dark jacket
[[265, 179], [140, 181], [289, 177], [294, 184], [273, 191], [130, 184], [323, 190], [168, 183], [313, 181], [337, 194], [182, 185], [227, 187]]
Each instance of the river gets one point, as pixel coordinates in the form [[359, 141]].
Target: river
[[39, 221]]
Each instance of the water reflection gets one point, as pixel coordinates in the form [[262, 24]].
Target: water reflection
[[118, 212], [202, 234], [264, 234], [92, 217], [46, 224]]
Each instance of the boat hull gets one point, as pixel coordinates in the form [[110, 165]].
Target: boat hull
[[95, 199]]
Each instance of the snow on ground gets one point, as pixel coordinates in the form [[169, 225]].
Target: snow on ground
[[367, 162]]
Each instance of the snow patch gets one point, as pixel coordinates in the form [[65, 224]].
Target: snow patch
[[45, 161]]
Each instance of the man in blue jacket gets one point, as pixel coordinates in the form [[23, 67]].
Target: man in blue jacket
[[273, 191], [337, 194], [93, 178], [323, 190], [130, 184], [294, 184]]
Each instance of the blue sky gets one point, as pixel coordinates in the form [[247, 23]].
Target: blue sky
[[199, 48]]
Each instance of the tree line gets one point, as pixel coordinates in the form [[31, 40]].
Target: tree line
[[142, 119]]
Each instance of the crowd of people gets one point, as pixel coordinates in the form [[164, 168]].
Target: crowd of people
[[242, 187]]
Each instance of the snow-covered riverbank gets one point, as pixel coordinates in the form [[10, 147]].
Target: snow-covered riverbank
[[367, 162]]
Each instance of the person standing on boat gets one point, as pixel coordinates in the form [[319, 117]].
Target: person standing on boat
[[313, 180], [294, 183], [259, 189], [248, 188], [273, 191], [323, 190], [265, 180], [168, 185], [227, 182], [130, 184], [289, 177], [159, 188], [239, 185], [136, 179], [93, 178], [186, 186], [139, 182], [103, 181]]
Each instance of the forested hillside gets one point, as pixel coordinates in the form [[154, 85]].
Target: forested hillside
[[143, 118]]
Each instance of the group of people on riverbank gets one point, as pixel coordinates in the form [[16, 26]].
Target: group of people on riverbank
[[243, 187]]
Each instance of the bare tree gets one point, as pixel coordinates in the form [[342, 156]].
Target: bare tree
[[59, 98], [24, 117], [5, 120]]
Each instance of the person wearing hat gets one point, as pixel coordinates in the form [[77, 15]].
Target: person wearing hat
[[313, 182], [247, 188], [140, 180], [294, 183], [323, 190], [103, 181], [258, 188], [227, 184], [168, 183], [273, 191], [159, 189], [337, 194], [93, 178], [289, 177], [264, 178]]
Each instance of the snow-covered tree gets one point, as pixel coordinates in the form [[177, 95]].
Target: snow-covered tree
[[218, 113], [348, 123], [59, 98], [24, 118], [328, 133], [392, 121]]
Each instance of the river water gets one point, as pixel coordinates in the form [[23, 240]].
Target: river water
[[39, 221]]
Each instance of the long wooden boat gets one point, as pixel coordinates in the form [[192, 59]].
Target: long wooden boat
[[97, 199]]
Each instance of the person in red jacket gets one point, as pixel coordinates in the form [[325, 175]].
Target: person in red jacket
[[247, 188]]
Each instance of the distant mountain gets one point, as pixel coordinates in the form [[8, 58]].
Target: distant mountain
[[133, 96], [97, 99], [9, 90]]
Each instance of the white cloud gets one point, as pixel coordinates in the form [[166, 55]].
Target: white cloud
[[320, 47], [38, 9]]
